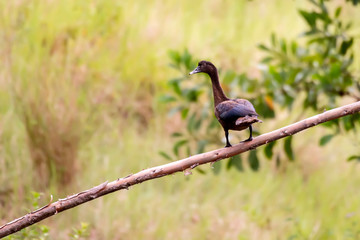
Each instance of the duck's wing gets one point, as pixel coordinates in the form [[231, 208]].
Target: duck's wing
[[231, 110], [248, 105]]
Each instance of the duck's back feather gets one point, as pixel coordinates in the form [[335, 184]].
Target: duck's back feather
[[231, 110]]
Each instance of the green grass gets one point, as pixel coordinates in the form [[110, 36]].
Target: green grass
[[96, 68]]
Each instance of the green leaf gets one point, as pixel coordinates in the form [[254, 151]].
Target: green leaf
[[184, 113], [331, 123], [236, 162], [311, 98], [267, 59], [165, 155], [201, 145], [177, 145], [354, 2], [197, 124], [335, 70], [310, 32], [348, 123], [253, 160], [175, 85], [176, 134], [167, 98], [294, 47], [36, 195], [354, 157], [325, 139], [310, 18], [186, 59], [175, 57], [192, 94], [263, 47], [348, 25], [345, 45], [269, 149], [44, 229], [283, 46], [191, 122], [337, 12], [216, 167], [288, 148], [273, 39], [199, 170], [278, 161]]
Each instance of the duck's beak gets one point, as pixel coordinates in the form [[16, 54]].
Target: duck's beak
[[196, 70]]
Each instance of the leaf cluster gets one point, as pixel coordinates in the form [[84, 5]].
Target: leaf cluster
[[313, 69]]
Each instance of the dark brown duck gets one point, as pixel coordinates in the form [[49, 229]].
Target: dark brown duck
[[233, 114]]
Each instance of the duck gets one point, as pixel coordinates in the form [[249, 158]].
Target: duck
[[233, 114]]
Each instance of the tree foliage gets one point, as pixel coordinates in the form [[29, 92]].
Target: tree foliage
[[314, 68]]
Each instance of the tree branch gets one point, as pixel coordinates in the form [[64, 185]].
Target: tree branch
[[182, 165]]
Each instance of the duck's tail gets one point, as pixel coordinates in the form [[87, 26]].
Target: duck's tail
[[247, 120]]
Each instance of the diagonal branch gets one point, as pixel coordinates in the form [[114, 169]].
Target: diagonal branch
[[182, 165]]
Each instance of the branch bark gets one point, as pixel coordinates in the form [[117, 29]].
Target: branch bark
[[182, 165]]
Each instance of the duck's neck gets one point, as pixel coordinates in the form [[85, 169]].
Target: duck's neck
[[219, 95]]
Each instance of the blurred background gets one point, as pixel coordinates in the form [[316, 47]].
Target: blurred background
[[95, 90]]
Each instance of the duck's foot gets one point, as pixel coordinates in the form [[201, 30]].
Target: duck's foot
[[228, 145], [247, 140]]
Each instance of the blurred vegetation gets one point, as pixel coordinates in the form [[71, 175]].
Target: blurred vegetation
[[316, 73], [79, 89]]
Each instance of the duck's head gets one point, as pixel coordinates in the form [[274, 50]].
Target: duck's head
[[205, 67]]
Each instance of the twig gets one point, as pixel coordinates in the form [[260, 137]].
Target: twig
[[185, 165]]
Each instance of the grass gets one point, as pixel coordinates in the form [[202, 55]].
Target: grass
[[88, 73]]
